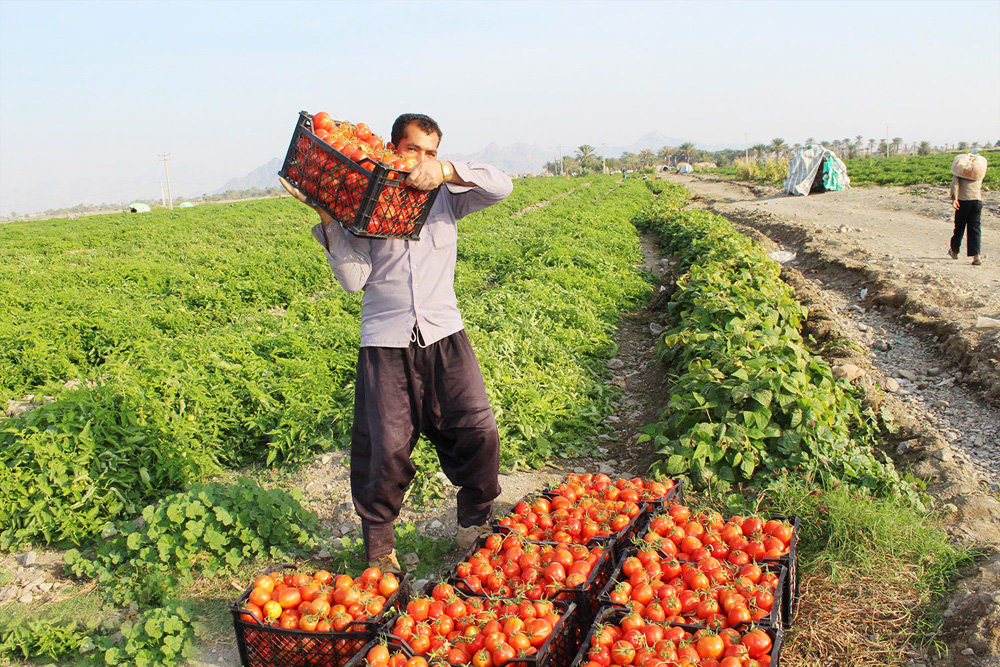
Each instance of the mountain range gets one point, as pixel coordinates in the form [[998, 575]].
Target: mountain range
[[517, 158]]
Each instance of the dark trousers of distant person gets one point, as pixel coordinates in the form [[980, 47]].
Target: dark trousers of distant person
[[967, 220], [436, 390]]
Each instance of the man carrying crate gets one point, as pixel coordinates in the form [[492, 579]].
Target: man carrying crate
[[417, 373]]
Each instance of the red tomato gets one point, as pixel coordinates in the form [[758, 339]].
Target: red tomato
[[322, 121]]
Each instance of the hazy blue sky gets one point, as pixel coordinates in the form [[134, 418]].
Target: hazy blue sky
[[90, 93]]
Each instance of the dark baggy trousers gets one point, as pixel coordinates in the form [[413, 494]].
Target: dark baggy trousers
[[967, 219], [435, 390]]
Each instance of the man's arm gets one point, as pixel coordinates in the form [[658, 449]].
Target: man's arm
[[954, 191], [477, 185], [349, 257], [351, 263]]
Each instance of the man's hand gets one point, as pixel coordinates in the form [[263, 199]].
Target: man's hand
[[954, 202], [295, 192], [427, 175]]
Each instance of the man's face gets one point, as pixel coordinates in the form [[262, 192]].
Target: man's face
[[418, 145]]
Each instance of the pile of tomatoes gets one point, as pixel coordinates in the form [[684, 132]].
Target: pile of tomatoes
[[341, 188], [634, 641], [583, 507], [509, 566], [320, 602], [715, 593], [445, 627], [588, 485], [358, 143], [739, 540]]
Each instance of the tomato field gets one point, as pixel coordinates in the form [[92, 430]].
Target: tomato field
[[161, 369]]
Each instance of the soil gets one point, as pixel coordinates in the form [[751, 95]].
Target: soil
[[902, 330]]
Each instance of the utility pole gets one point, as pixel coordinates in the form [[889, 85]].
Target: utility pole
[[746, 147], [887, 141], [604, 158], [170, 200], [562, 163], [163, 196]]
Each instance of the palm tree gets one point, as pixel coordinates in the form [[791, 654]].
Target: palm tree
[[810, 140], [857, 142], [665, 153], [925, 148], [685, 150], [778, 146], [896, 144], [759, 150], [584, 152], [646, 157]]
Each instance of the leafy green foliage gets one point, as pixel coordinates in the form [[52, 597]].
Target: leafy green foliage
[[44, 639], [161, 636], [208, 529], [749, 398], [873, 170], [915, 169], [202, 360], [69, 466]]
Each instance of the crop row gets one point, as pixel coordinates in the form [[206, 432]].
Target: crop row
[[748, 399]]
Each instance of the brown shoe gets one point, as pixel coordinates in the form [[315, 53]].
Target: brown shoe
[[467, 535], [977, 262], [952, 254], [387, 563]]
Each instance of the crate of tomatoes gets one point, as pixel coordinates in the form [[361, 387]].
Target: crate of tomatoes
[[447, 628], [622, 638], [346, 170], [710, 592], [738, 540], [510, 566], [289, 618]]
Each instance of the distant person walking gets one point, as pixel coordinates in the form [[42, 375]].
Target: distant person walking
[[968, 171]]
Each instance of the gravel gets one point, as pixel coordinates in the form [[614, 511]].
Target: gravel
[[919, 374]]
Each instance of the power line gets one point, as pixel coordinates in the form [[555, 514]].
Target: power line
[[170, 200]]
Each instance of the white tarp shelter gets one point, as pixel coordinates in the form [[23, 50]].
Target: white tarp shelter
[[816, 169], [684, 168], [185, 204], [139, 207]]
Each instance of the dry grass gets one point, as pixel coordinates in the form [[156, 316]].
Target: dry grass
[[865, 620]]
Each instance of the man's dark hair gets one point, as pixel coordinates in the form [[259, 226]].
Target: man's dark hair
[[425, 123]]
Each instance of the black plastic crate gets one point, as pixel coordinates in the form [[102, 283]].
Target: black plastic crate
[[613, 616], [585, 595], [791, 562], [557, 651], [369, 199], [790, 594], [260, 644], [773, 620], [674, 495]]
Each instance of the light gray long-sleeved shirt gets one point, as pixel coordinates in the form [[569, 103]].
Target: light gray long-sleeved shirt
[[413, 281]]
